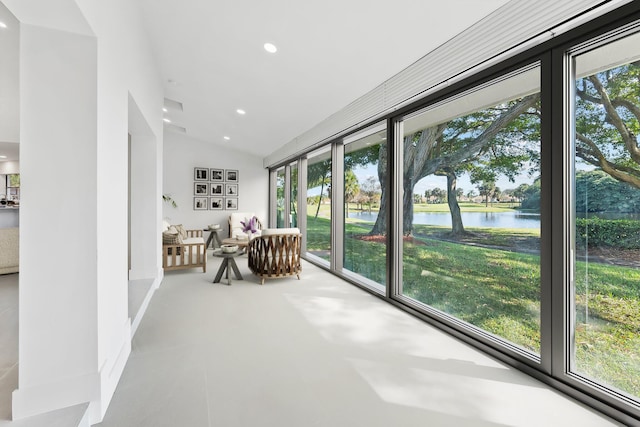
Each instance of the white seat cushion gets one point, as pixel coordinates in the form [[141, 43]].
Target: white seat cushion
[[272, 231]]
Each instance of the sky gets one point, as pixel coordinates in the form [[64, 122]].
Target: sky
[[433, 181]]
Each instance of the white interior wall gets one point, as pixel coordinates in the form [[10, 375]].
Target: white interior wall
[[182, 154], [145, 241], [75, 342], [126, 70], [57, 292]]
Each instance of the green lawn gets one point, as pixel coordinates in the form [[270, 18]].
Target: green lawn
[[498, 291]]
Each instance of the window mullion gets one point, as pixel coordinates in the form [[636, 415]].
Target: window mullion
[[337, 206]]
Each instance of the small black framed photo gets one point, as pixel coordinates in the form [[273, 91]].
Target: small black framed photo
[[201, 174], [231, 175], [216, 203], [232, 203], [216, 175], [200, 189], [231, 190], [217, 190], [200, 203]]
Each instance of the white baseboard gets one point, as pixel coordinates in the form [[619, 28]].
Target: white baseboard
[[110, 374], [142, 274], [135, 322], [32, 401]]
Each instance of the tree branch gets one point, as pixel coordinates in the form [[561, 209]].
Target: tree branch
[[594, 156], [475, 146], [628, 137]]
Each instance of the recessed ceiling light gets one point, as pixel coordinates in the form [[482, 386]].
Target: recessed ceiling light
[[3, 157], [226, 138], [241, 111], [164, 109], [3, 25], [270, 47], [166, 120]]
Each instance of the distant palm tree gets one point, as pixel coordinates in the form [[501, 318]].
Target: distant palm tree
[[319, 174], [351, 188]]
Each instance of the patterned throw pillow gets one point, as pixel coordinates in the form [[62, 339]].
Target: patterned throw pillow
[[181, 230], [171, 236]]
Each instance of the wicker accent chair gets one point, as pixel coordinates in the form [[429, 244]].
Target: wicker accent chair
[[275, 253]]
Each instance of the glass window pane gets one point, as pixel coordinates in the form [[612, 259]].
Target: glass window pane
[[606, 225], [293, 208], [318, 237], [471, 208], [365, 229], [280, 198]]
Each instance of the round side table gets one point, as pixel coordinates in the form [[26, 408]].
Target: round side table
[[213, 238]]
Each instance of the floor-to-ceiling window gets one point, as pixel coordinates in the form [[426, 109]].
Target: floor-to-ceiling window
[[510, 205], [318, 232], [471, 208], [365, 228], [605, 231]]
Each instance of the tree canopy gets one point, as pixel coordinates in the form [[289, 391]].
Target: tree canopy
[[608, 122]]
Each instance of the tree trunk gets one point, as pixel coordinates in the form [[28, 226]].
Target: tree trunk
[[421, 160], [456, 219], [407, 205], [380, 227], [320, 198]]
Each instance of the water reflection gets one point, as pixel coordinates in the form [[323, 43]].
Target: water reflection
[[469, 219]]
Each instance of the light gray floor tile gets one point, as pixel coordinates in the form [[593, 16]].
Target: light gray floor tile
[[8, 342], [314, 352]]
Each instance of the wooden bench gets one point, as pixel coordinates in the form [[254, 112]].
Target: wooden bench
[[190, 253]]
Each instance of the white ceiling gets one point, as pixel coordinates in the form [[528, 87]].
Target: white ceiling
[[330, 52], [9, 151]]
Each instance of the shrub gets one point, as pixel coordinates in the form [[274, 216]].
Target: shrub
[[619, 233]]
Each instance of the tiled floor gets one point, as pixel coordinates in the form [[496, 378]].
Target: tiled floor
[[314, 352], [66, 417]]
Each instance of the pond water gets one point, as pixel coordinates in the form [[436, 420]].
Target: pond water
[[469, 219], [508, 219]]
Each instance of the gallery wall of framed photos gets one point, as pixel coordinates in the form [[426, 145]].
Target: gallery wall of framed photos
[[215, 189]]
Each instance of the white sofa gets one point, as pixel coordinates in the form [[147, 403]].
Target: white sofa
[[188, 252], [9, 240]]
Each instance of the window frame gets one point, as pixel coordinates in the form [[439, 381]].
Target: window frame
[[552, 367]]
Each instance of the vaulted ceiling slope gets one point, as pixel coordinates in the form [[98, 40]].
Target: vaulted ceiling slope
[[515, 27], [330, 52], [339, 63]]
